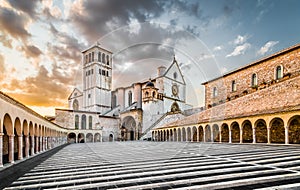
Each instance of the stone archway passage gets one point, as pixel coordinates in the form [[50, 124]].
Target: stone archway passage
[[200, 129], [261, 132], [277, 131], [247, 135], [207, 133], [225, 133], [294, 130], [128, 129], [71, 138], [235, 133]]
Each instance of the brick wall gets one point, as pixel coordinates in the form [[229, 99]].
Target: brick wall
[[265, 71]]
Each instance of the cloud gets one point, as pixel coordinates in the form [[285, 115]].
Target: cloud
[[4, 39], [218, 48], [13, 24], [31, 51], [239, 50], [34, 92], [241, 39], [27, 6], [2, 67], [267, 47]]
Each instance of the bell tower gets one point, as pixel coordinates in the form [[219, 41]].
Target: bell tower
[[97, 79]]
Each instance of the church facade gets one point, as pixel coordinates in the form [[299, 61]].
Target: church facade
[[98, 113]]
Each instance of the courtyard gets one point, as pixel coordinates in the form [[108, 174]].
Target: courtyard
[[165, 165]]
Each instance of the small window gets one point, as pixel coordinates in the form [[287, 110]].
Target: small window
[[86, 58], [99, 57], [254, 80], [76, 122], [89, 95], [92, 71], [103, 58], [129, 98], [233, 86], [175, 75], [107, 74], [215, 92], [103, 72], [92, 56], [100, 71], [107, 60], [89, 72], [278, 72], [90, 122], [89, 57]]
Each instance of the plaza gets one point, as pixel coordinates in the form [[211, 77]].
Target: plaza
[[166, 165]]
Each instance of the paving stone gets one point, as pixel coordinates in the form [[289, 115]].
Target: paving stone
[[165, 165]]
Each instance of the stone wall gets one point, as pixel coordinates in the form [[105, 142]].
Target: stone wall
[[281, 96], [264, 69]]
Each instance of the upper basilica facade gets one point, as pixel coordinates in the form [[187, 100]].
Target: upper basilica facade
[[99, 113]]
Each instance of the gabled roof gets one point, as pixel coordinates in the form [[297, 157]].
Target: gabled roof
[[98, 46], [257, 62], [75, 90], [174, 64]]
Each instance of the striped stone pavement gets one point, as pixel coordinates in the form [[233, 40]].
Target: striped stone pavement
[[166, 165]]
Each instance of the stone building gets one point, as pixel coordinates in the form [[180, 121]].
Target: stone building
[[98, 113], [257, 103]]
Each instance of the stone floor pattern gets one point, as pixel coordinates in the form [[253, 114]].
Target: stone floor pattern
[[166, 165]]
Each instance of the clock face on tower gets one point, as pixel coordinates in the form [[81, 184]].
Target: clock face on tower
[[175, 90]]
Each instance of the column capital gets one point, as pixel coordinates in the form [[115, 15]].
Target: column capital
[[11, 135], [1, 134]]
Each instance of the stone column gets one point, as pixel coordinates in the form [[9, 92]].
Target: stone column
[[11, 148], [32, 145], [220, 137], [204, 135], [36, 144], [241, 136], [269, 134], [41, 143], [1, 149], [254, 135], [286, 135], [192, 135], [26, 146], [230, 134], [212, 134], [198, 134], [20, 147]]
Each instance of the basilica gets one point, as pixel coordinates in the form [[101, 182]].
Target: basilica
[[99, 113]]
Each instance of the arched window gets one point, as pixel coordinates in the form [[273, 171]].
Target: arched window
[[129, 98], [114, 101], [103, 58], [107, 60], [147, 94], [215, 92], [254, 80], [153, 94], [75, 104], [83, 122], [233, 86], [76, 122], [278, 74], [99, 56], [90, 122]]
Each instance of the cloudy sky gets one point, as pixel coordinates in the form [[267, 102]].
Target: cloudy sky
[[41, 41]]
